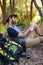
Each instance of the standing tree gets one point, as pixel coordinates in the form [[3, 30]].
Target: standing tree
[[31, 8], [42, 4], [3, 8], [38, 8], [12, 6]]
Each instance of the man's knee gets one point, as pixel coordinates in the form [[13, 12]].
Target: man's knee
[[36, 27], [41, 39]]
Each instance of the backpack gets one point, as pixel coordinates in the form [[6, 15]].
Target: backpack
[[10, 50]]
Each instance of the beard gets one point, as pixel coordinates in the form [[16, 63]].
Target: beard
[[13, 22]]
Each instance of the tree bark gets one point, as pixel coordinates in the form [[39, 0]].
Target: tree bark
[[12, 6], [3, 8], [38, 8], [42, 2], [31, 8]]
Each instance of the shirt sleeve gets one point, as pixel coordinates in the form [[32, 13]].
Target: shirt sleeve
[[12, 32]]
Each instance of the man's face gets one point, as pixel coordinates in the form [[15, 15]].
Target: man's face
[[13, 20]]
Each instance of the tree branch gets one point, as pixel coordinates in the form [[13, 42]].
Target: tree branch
[[1, 4], [31, 7], [38, 8], [42, 2]]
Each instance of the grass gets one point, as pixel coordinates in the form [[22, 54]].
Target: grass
[[3, 28]]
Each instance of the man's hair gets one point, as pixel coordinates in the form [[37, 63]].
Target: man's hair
[[10, 16]]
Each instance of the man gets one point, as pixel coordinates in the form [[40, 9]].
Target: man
[[20, 36]]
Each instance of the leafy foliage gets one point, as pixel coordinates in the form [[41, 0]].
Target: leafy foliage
[[23, 24], [22, 9]]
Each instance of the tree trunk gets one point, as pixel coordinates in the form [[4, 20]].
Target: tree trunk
[[31, 8], [38, 8], [3, 8], [12, 6], [42, 4]]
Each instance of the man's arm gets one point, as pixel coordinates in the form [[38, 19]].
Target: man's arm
[[14, 33], [23, 34]]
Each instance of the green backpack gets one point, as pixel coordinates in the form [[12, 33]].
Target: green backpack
[[10, 50]]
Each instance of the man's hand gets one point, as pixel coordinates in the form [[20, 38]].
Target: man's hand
[[32, 26]]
